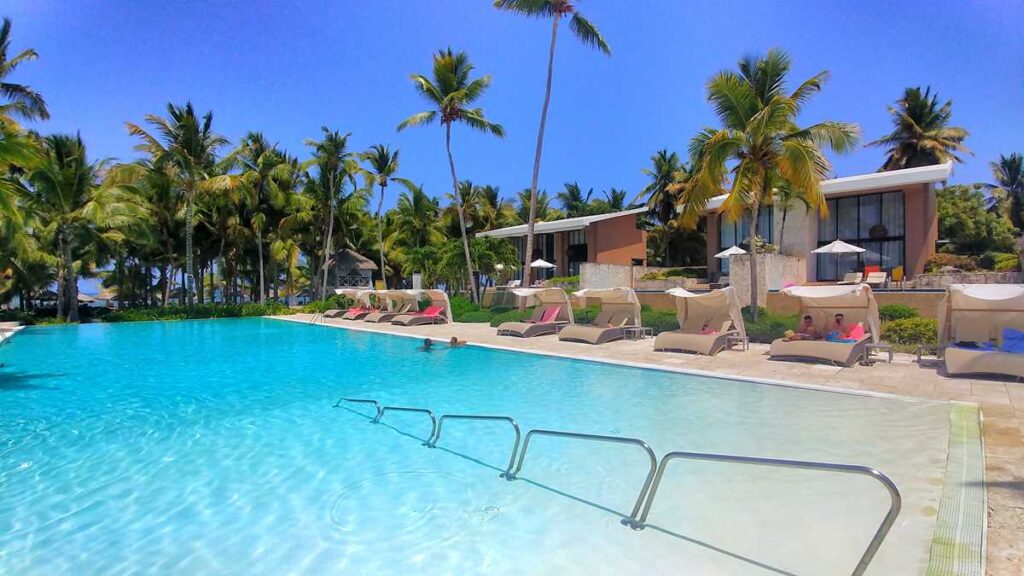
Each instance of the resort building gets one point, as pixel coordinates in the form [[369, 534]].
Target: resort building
[[892, 215], [603, 239]]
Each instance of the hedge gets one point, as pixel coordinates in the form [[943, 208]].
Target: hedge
[[896, 312], [910, 332], [198, 311]]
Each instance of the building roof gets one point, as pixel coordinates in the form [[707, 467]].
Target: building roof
[[351, 260], [578, 223], [873, 181]]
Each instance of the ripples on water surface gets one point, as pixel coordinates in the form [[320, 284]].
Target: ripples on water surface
[[211, 447]]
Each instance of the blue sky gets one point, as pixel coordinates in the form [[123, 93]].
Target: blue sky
[[289, 68]]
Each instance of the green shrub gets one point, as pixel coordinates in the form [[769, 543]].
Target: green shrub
[[689, 272], [660, 320], [476, 316], [511, 316], [941, 260], [1006, 262], [334, 302], [897, 312], [769, 325], [26, 318], [911, 331], [585, 315], [198, 311], [567, 283], [462, 305]]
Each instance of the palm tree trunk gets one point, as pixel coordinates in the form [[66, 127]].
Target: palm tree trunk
[[328, 248], [462, 215], [61, 278], [259, 254], [380, 234], [528, 257], [71, 281], [753, 259], [782, 229], [188, 278]]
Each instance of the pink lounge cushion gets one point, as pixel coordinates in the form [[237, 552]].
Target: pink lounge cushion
[[355, 309], [550, 314], [857, 332], [431, 311]]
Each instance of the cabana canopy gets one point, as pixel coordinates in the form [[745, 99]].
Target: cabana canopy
[[855, 302], [437, 298], [361, 295], [612, 296], [978, 312], [709, 305], [549, 296]]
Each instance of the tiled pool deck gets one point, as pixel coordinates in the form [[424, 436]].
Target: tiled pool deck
[[1001, 401]]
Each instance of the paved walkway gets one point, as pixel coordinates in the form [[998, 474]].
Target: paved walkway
[[1002, 404]]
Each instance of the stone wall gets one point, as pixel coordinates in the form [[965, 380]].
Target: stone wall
[[774, 272], [594, 275], [943, 280]]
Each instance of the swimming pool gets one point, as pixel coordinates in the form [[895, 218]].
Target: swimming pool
[[213, 447]]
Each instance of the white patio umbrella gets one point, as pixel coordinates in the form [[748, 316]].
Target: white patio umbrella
[[731, 251], [541, 263], [839, 247]]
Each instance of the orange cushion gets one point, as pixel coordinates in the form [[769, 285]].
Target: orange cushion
[[857, 332]]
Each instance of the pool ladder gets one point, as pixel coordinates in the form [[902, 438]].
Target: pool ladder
[[317, 317], [637, 519]]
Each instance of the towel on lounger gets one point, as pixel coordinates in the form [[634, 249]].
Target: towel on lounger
[[1013, 341]]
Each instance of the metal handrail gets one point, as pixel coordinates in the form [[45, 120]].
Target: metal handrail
[[433, 420], [515, 447], [896, 501], [316, 316], [632, 520], [380, 410]]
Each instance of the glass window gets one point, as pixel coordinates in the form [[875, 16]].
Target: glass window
[[874, 222]]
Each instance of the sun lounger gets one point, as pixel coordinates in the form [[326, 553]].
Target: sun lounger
[[545, 320], [385, 316], [961, 360], [357, 313], [841, 353], [608, 326], [333, 313], [430, 315], [876, 278], [850, 278], [689, 339]]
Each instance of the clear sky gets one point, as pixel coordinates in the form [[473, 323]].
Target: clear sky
[[287, 68]]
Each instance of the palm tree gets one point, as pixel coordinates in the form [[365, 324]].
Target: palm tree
[[661, 200], [573, 201], [1008, 190], [186, 142], [335, 165], [74, 207], [760, 144], [786, 195], [541, 206], [921, 133], [261, 165], [383, 164], [494, 211], [451, 92], [614, 201], [589, 35], [18, 100]]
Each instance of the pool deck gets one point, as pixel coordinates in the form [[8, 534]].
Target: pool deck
[[1001, 401]]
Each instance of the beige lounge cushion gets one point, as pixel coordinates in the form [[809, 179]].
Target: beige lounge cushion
[[966, 361]]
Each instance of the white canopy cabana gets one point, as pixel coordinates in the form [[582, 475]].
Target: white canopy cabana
[[855, 302], [979, 312], [612, 296], [550, 296], [361, 295], [709, 305], [437, 298]]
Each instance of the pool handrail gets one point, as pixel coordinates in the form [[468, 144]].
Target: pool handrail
[[376, 405], [515, 425], [433, 419], [895, 500], [632, 519]]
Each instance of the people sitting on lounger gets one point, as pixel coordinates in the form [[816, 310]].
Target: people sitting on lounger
[[805, 331], [839, 330], [846, 315]]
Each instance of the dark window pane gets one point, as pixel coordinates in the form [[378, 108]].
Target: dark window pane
[[892, 213], [871, 217], [846, 216], [827, 227]]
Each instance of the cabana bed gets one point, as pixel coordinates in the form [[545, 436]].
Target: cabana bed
[[620, 309], [975, 321], [552, 311], [856, 303], [718, 310], [398, 302]]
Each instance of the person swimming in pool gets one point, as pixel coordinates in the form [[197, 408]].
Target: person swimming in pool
[[455, 342], [427, 346]]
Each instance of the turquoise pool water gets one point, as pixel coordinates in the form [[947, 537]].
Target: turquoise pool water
[[212, 447]]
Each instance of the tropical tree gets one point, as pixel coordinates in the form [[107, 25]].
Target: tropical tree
[[261, 165], [451, 92], [921, 133], [660, 198], [574, 201], [968, 225], [17, 100], [74, 207], [382, 164], [187, 143], [614, 201], [543, 211], [589, 35], [494, 211], [760, 144], [334, 166], [1008, 189]]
